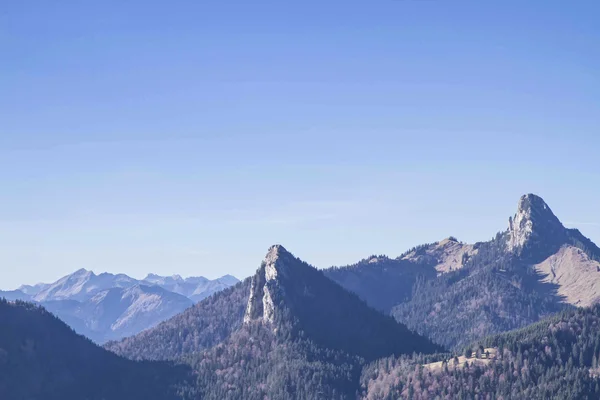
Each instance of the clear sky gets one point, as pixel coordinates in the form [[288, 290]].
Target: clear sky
[[188, 136]]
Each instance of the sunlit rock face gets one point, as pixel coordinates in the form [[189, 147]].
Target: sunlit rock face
[[261, 304], [533, 222]]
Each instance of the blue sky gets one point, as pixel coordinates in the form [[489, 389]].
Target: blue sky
[[187, 137]]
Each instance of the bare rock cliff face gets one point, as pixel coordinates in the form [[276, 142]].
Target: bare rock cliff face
[[261, 304], [534, 224], [564, 257]]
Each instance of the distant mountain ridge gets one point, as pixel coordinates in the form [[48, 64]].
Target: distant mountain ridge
[[83, 284], [119, 312], [109, 306], [194, 288]]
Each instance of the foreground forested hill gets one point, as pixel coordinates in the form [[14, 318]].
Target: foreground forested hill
[[41, 358], [556, 358]]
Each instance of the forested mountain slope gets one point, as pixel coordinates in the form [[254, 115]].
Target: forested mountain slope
[[288, 290], [493, 293], [284, 291], [556, 358], [256, 362], [199, 327], [384, 282], [296, 334], [41, 358]]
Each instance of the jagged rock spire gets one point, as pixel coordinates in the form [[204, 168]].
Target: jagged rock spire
[[264, 284], [533, 219]]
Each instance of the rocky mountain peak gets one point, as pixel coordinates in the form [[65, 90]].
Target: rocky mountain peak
[[152, 276], [228, 280], [273, 266], [265, 283], [159, 278], [534, 219], [534, 205], [291, 297], [82, 272], [274, 253]]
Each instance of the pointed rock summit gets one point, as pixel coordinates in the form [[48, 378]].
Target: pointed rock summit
[[82, 271], [265, 284], [271, 268], [533, 221], [292, 296]]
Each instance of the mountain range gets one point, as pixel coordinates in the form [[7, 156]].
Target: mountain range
[[512, 317], [455, 293], [111, 306], [288, 332]]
